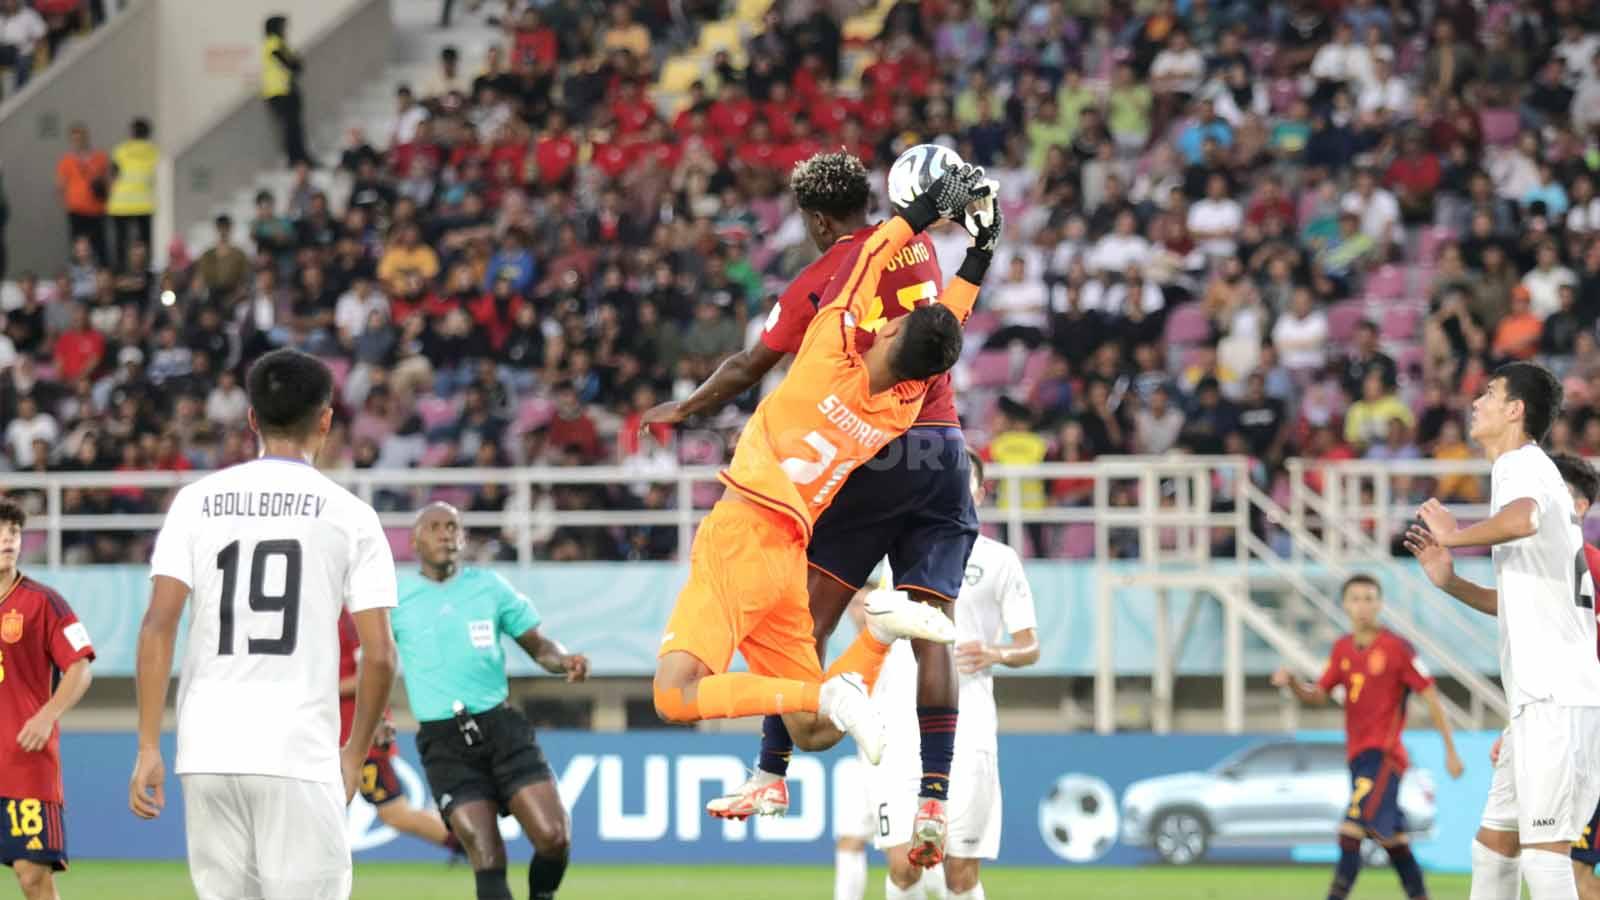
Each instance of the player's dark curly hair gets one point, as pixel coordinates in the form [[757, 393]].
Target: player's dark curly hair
[[1576, 472], [929, 343], [834, 184], [288, 392], [1539, 391], [11, 512]]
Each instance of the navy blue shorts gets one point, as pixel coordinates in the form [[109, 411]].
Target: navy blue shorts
[[1584, 850], [912, 503], [32, 831], [1375, 795]]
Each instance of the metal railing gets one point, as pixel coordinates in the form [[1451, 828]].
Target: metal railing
[[1170, 514]]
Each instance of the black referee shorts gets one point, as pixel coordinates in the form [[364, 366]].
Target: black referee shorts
[[507, 760]]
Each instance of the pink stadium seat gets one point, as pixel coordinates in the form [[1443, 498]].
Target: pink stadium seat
[[1432, 239], [1281, 94], [1187, 324], [1419, 280], [1410, 356], [34, 546], [531, 413], [400, 543], [991, 368], [1077, 541], [340, 367], [459, 497], [1386, 283], [1343, 318], [1500, 127], [435, 411], [1034, 368], [1400, 322], [981, 323], [437, 455]]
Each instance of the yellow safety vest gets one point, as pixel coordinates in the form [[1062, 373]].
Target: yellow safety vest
[[133, 193], [275, 76]]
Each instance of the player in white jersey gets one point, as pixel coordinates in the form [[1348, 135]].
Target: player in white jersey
[[995, 601], [271, 551], [1547, 777]]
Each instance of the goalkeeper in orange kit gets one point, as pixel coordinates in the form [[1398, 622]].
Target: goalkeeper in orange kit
[[835, 409]]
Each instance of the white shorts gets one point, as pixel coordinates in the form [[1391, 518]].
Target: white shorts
[[974, 808], [259, 837], [1547, 780], [879, 801]]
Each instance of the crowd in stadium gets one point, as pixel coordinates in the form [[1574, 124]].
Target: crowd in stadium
[[1302, 228], [32, 32]]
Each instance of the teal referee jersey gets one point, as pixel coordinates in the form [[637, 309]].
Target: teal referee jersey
[[448, 634]]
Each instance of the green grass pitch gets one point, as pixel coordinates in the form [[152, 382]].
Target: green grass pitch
[[413, 881]]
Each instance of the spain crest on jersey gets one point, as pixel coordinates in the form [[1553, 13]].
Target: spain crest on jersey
[[11, 627], [1376, 662]]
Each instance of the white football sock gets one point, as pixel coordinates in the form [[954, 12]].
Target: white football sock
[[975, 894], [933, 884], [1549, 875], [890, 892], [849, 874], [1494, 877]]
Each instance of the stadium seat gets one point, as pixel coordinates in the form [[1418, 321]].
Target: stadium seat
[[1399, 322], [340, 367], [1419, 280], [1077, 541], [991, 369], [532, 412], [1386, 283], [400, 543], [1432, 238], [982, 322], [437, 455], [1187, 324], [1034, 368], [459, 497], [436, 411], [35, 546], [1499, 127], [1411, 356], [1343, 318]]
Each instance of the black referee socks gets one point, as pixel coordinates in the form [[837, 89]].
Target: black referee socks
[[544, 876], [492, 884]]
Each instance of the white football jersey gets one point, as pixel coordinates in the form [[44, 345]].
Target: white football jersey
[[271, 550], [1547, 629], [995, 603]]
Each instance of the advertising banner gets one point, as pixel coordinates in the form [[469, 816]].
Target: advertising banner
[[1073, 799]]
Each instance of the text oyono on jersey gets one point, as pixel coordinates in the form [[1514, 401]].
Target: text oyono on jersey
[[849, 421], [274, 504]]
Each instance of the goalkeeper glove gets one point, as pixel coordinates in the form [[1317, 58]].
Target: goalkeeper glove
[[985, 223], [946, 198]]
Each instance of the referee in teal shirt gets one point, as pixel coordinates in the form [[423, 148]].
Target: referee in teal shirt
[[480, 755]]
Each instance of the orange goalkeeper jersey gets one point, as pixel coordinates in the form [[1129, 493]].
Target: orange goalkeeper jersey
[[823, 419]]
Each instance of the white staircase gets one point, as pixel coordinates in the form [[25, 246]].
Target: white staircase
[[414, 57]]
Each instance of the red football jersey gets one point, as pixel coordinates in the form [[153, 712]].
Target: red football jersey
[[39, 639], [349, 646], [912, 278], [1377, 680]]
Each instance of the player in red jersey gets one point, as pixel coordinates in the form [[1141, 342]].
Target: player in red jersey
[[380, 786], [912, 504], [44, 670], [1378, 671]]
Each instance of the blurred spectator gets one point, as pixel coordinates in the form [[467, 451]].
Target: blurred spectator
[[1367, 421], [21, 31], [280, 86], [132, 201], [28, 426], [1517, 335], [222, 270], [83, 179]]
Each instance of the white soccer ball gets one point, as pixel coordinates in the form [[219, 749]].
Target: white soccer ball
[[916, 169], [1078, 819]]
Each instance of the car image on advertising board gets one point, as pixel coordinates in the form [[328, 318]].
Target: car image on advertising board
[[1273, 794]]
